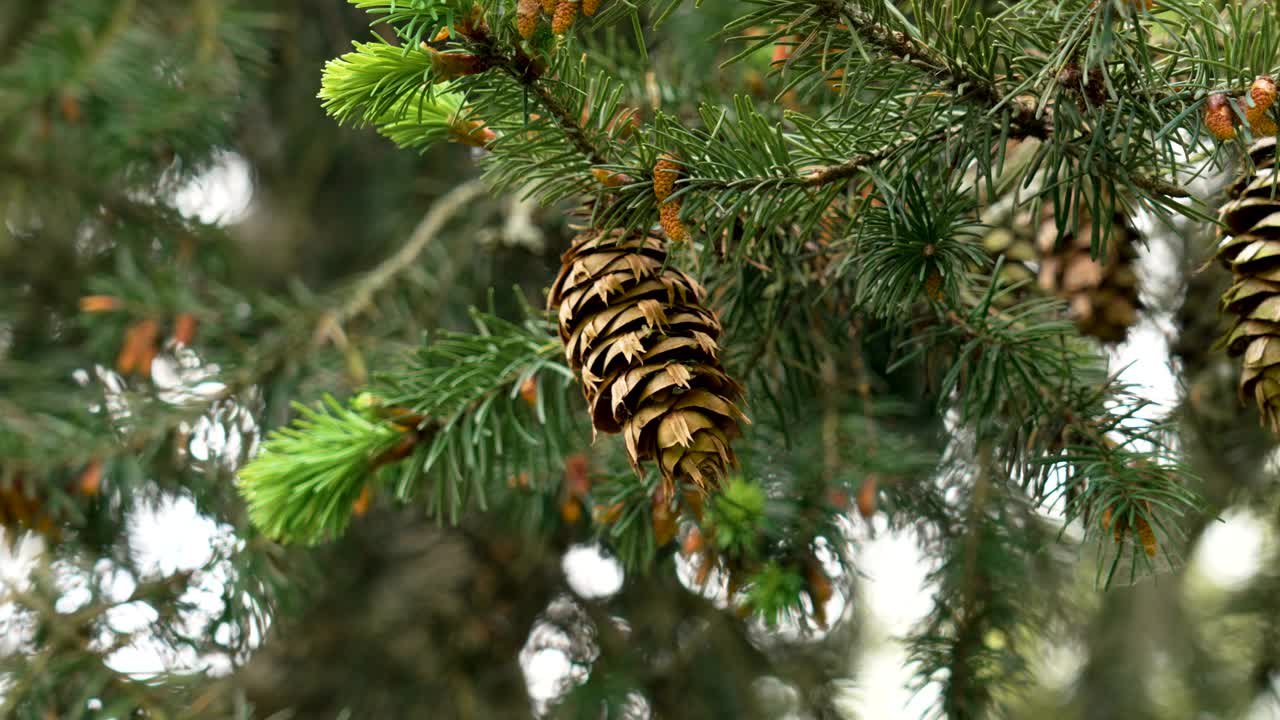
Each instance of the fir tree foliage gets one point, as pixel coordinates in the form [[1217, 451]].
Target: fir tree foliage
[[833, 174], [920, 103], [467, 414], [326, 453]]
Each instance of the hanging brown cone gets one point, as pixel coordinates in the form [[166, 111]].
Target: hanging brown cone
[[1251, 249], [566, 13], [645, 346], [1102, 293], [589, 7], [527, 17], [549, 7]]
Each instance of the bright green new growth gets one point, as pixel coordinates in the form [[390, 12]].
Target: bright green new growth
[[391, 89], [460, 418], [302, 485], [363, 86]]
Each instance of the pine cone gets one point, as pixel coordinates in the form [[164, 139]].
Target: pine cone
[[1252, 251], [1103, 293], [645, 345]]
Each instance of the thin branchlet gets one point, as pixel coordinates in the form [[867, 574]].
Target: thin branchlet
[[531, 73], [1024, 121]]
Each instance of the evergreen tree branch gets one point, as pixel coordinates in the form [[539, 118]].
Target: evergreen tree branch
[[470, 412], [532, 74], [858, 163], [1025, 118], [913, 51]]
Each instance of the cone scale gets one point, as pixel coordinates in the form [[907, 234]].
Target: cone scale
[[645, 345]]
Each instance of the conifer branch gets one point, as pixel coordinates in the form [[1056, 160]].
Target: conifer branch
[[916, 54], [1025, 121], [1118, 461], [925, 58], [531, 73], [857, 163], [471, 410]]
